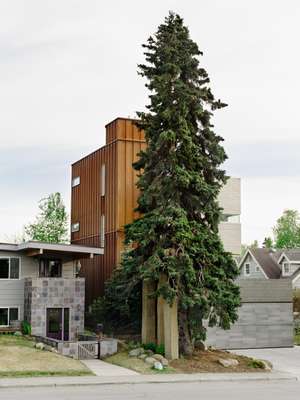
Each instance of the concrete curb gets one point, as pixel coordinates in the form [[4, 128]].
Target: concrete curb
[[143, 379]]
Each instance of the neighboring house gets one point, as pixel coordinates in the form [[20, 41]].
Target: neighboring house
[[267, 264], [39, 284], [104, 198]]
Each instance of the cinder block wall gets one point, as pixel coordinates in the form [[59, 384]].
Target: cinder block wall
[[265, 317]]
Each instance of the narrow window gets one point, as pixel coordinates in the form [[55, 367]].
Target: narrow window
[[75, 227], [76, 181], [247, 269], [14, 268], [286, 268], [102, 231], [13, 314], [103, 180]]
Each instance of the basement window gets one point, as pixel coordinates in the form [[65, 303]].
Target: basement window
[[8, 314]]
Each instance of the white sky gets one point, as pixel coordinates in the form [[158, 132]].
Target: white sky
[[68, 67]]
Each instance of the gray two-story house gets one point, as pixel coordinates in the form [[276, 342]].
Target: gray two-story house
[[39, 283]]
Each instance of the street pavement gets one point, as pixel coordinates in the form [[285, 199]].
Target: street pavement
[[282, 359], [271, 390]]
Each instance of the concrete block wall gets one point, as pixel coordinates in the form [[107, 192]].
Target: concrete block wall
[[265, 318]]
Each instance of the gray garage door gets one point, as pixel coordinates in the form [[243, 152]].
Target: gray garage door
[[265, 317]]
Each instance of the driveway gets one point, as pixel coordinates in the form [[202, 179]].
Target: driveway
[[283, 359]]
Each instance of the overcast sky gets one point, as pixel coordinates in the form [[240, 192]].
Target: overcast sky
[[68, 67]]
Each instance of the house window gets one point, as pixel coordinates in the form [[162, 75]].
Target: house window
[[76, 181], [257, 268], [103, 180], [9, 268], [8, 314], [286, 268], [75, 227], [247, 269], [102, 231], [50, 268]]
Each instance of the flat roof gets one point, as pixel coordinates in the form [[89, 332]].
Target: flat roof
[[54, 247]]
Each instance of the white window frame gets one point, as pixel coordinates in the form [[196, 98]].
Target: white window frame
[[73, 229], [75, 181], [102, 180], [284, 272], [102, 231], [8, 308], [9, 262], [245, 269]]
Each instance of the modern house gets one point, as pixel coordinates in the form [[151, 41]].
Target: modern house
[[104, 197], [39, 284], [267, 264]]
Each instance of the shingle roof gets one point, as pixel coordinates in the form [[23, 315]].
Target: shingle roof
[[292, 254], [267, 263]]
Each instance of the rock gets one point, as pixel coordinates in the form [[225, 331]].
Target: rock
[[143, 356], [267, 365], [158, 357], [149, 352], [150, 360], [40, 346], [136, 352], [228, 362], [157, 365], [53, 349], [18, 333], [164, 362], [200, 345]]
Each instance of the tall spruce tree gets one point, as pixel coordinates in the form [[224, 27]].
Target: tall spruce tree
[[177, 234]]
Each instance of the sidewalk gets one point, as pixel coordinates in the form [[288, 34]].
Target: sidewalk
[[142, 379], [103, 369]]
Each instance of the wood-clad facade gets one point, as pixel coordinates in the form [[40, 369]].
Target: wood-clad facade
[[105, 196], [113, 201]]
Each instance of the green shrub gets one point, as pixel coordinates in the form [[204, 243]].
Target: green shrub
[[156, 348], [26, 328], [256, 364]]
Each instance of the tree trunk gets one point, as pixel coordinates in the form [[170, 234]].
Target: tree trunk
[[185, 341]]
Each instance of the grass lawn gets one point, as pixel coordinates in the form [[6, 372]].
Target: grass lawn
[[297, 339], [202, 361], [19, 358]]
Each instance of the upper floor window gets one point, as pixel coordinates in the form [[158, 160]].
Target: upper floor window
[[75, 227], [247, 269], [9, 268], [76, 181], [102, 231], [50, 268], [286, 268], [103, 180]]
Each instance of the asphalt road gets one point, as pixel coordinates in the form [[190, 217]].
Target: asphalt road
[[288, 390]]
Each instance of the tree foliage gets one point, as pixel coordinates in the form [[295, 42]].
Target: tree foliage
[[268, 243], [51, 224], [177, 234], [287, 230]]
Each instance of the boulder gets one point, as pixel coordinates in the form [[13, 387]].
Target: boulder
[[158, 357], [143, 356], [164, 362], [150, 360], [228, 362], [40, 346], [157, 365], [200, 345], [136, 352], [149, 352], [18, 333]]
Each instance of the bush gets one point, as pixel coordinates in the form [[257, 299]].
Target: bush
[[256, 364], [26, 328], [156, 348], [296, 300]]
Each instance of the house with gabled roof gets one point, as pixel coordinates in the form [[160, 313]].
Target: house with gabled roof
[[262, 263]]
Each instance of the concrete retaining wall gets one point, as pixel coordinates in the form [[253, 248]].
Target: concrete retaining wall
[[265, 317]]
